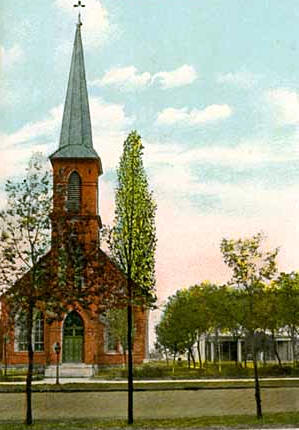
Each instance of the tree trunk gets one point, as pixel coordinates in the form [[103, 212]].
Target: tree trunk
[[192, 358], [199, 354], [257, 388], [167, 359], [275, 350], [173, 362], [30, 366], [264, 358], [130, 355], [188, 358]]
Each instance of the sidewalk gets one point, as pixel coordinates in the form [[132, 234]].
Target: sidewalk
[[147, 381]]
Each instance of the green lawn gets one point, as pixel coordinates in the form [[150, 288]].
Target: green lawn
[[159, 369], [233, 421], [157, 386]]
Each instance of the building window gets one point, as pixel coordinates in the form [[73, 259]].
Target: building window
[[111, 344], [74, 193], [37, 333]]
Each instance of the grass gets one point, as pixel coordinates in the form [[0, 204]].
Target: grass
[[138, 386], [290, 419], [17, 375], [160, 370]]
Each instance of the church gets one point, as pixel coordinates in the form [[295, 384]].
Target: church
[[84, 341]]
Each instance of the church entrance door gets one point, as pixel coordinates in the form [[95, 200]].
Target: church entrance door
[[73, 333]]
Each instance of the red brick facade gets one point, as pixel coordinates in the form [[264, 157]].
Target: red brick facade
[[93, 349]]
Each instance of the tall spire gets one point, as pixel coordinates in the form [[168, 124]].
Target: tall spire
[[76, 136]]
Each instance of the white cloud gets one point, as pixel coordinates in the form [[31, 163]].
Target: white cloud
[[33, 130], [95, 20], [108, 116], [285, 104], [125, 77], [240, 79], [181, 76], [129, 78], [10, 56], [170, 116], [109, 123]]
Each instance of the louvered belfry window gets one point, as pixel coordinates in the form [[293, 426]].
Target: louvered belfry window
[[74, 193]]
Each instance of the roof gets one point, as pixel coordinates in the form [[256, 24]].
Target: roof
[[76, 136]]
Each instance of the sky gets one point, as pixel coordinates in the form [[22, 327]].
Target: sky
[[211, 86]]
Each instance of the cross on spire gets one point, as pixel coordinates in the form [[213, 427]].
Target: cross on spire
[[79, 5]]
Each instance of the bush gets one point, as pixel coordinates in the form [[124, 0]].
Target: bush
[[160, 370]]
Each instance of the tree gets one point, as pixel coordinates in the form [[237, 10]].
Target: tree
[[132, 240], [25, 239], [177, 330], [288, 296], [270, 316], [203, 301], [251, 268], [116, 320], [40, 276]]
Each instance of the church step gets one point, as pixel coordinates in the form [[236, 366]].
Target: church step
[[70, 370]]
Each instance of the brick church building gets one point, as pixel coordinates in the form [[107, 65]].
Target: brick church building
[[85, 342]]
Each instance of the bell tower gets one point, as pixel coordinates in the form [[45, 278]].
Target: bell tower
[[76, 165]]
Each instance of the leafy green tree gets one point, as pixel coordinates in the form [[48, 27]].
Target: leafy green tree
[[132, 240], [270, 318], [116, 320], [288, 297], [203, 307], [251, 268], [176, 332], [25, 239]]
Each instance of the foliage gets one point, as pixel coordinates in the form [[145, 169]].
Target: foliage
[[251, 269], [25, 239], [287, 286], [132, 240], [40, 274], [116, 321], [176, 333]]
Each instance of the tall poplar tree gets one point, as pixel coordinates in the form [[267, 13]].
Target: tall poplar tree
[[132, 240]]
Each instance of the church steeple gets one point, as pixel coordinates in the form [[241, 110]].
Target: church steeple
[[76, 136], [76, 165]]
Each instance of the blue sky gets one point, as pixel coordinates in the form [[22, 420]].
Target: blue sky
[[212, 87]]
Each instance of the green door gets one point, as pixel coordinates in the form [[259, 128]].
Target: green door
[[73, 331]]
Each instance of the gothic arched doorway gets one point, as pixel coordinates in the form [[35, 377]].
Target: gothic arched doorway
[[73, 333]]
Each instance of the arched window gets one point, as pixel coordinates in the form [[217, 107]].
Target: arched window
[[74, 193]]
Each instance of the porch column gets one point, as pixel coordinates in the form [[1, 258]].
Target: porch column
[[239, 351], [202, 347], [212, 351]]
